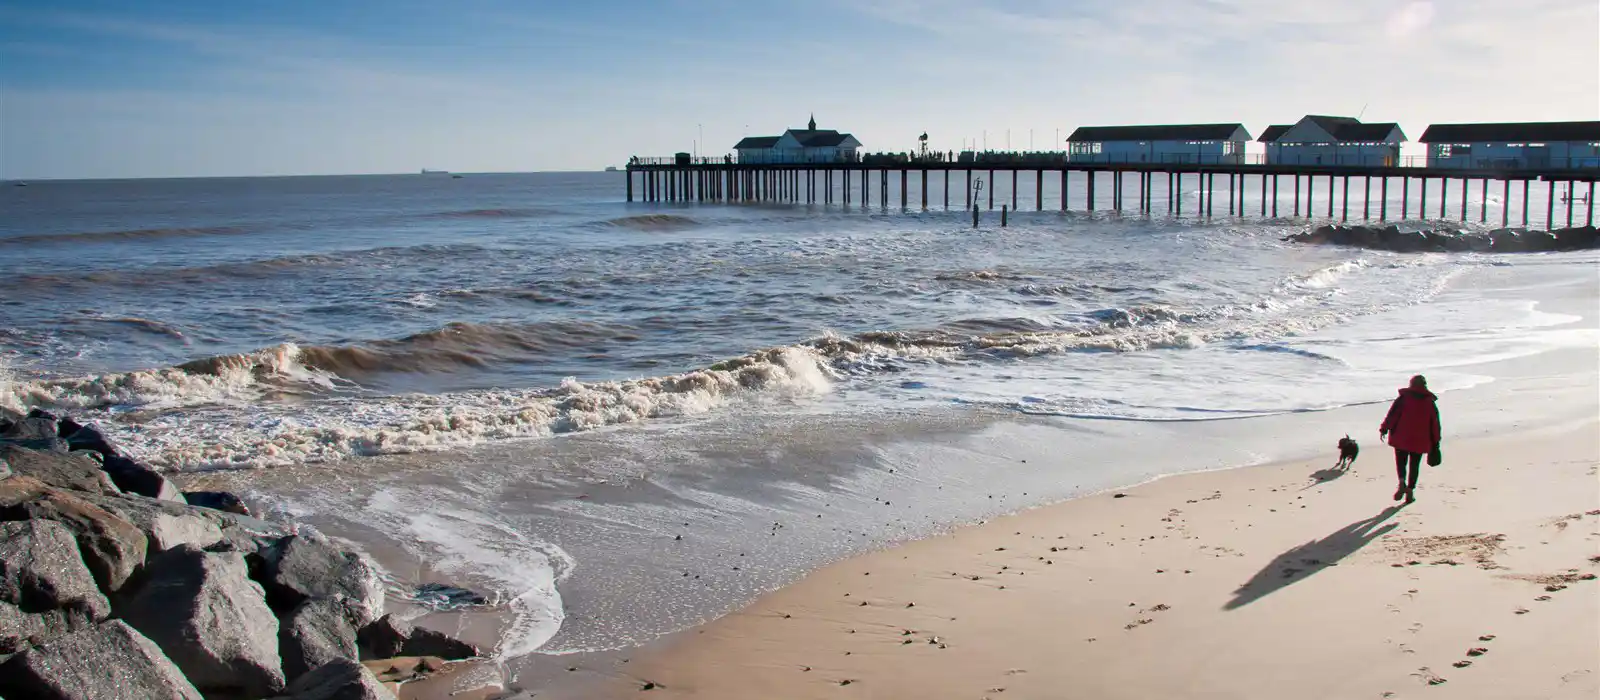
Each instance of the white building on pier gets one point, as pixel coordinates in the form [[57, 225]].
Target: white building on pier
[[1320, 140], [1514, 145], [1171, 143], [808, 145]]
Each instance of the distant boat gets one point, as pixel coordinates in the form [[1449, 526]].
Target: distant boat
[[611, 168], [426, 171], [21, 184], [455, 177]]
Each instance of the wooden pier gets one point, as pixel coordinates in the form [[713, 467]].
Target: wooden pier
[[720, 180]]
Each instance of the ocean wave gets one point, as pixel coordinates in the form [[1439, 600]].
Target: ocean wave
[[651, 222], [128, 235], [487, 214]]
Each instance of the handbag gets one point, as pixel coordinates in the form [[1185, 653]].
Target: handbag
[[1435, 457]]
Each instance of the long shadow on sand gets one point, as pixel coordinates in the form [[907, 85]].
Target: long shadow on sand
[[1301, 562], [1323, 476]]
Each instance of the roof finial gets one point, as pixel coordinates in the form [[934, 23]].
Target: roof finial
[[812, 125]]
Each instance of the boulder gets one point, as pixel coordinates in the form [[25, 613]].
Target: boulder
[[1577, 238], [318, 631], [110, 661], [133, 477], [306, 566], [211, 619], [217, 500], [164, 523], [341, 679], [40, 568], [390, 636], [1539, 241], [79, 472], [1506, 242], [32, 427], [113, 548], [20, 629]]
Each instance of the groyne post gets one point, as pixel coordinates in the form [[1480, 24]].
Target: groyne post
[[1003, 215], [974, 208]]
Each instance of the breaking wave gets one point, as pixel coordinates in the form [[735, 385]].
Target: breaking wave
[[127, 235], [652, 222]]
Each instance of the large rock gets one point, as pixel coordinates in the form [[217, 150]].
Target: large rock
[[87, 437], [341, 679], [35, 426], [217, 500], [45, 588], [390, 636], [113, 548], [320, 630], [110, 661], [309, 566], [133, 477], [79, 471], [166, 524], [211, 619], [1577, 238]]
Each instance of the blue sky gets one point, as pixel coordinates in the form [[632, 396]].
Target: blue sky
[[94, 88]]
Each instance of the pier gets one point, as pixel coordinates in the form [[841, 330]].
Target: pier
[[1568, 193]]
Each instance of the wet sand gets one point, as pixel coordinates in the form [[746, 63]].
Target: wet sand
[[1290, 580]]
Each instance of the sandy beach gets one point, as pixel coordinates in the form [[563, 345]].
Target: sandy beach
[[1288, 580]]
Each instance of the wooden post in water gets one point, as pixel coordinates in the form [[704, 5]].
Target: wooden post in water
[[924, 189], [1444, 196], [991, 189], [1311, 204], [1344, 206], [1013, 189], [1383, 199], [1038, 190], [1211, 193], [1483, 206], [971, 203], [945, 176], [1590, 204], [1422, 198], [1274, 195], [1003, 213], [630, 185], [844, 186], [1570, 184], [866, 188], [974, 206], [1366, 197], [1527, 191], [1330, 195], [1466, 189], [904, 175], [1505, 203], [1177, 202], [1264, 193], [1297, 194], [1063, 189], [1550, 208], [1169, 192], [1090, 206]]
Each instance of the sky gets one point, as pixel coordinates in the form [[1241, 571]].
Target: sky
[[176, 88]]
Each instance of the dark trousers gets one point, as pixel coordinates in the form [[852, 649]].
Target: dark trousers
[[1403, 458]]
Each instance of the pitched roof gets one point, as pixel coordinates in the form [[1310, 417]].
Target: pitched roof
[[1163, 132], [1342, 129], [757, 142], [1512, 132], [818, 138], [1273, 132]]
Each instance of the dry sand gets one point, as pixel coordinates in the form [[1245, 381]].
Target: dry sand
[[1283, 581]]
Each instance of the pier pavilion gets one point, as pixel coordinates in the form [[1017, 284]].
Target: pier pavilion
[[1514, 145], [1174, 143]]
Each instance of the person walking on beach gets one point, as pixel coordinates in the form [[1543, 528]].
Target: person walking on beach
[[1412, 429]]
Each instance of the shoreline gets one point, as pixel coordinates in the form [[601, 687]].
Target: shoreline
[[1032, 636]]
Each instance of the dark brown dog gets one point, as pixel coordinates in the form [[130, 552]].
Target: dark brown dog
[[1348, 449]]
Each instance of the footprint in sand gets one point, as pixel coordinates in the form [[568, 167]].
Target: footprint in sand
[[1428, 676], [1477, 651], [1462, 663], [1486, 638]]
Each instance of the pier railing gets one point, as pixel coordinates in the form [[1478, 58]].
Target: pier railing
[[1065, 158]]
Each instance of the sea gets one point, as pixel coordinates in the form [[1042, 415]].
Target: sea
[[616, 420]]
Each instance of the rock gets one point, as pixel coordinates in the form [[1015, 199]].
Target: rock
[[133, 477], [110, 661], [46, 584], [164, 523], [217, 500], [20, 629], [318, 631], [1577, 238], [32, 427], [390, 636], [79, 472], [401, 669], [113, 548], [309, 566], [1540, 241], [341, 679], [211, 619], [440, 596]]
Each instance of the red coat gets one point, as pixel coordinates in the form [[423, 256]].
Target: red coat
[[1413, 421]]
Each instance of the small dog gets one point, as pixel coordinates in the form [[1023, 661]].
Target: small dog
[[1348, 450]]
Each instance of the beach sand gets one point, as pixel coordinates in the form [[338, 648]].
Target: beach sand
[[1287, 580]]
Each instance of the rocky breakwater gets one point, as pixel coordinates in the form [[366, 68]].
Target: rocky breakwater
[[116, 585], [1505, 240]]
